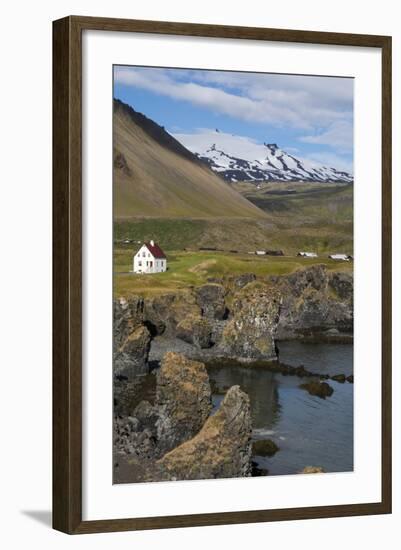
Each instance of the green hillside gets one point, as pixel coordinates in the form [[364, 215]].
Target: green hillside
[[298, 217], [303, 202], [154, 175]]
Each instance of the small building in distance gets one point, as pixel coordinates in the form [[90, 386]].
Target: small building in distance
[[307, 254], [150, 258], [340, 257], [274, 253]]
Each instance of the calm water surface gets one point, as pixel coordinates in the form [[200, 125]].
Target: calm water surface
[[309, 431]]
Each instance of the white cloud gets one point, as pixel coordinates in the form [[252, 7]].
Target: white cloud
[[331, 160], [280, 100], [339, 135]]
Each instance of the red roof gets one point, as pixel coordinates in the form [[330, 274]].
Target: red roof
[[155, 250]]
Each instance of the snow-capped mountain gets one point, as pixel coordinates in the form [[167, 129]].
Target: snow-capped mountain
[[238, 158]]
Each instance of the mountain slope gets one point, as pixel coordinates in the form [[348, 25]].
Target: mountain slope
[[154, 175], [238, 158]]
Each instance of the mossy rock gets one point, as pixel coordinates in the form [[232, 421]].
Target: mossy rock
[[312, 470], [264, 447], [257, 471], [339, 378]]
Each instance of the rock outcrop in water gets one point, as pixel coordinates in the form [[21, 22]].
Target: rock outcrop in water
[[235, 318], [239, 317], [315, 304], [221, 449], [176, 438], [264, 447], [249, 331], [319, 389], [183, 400]]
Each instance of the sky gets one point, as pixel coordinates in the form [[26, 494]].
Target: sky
[[308, 116]]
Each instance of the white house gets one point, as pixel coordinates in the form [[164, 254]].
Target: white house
[[150, 258], [340, 257], [307, 254]]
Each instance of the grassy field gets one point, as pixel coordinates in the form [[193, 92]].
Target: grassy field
[[298, 216], [317, 203], [243, 235], [193, 268]]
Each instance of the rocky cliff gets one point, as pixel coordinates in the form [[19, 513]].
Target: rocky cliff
[[221, 449], [183, 399], [315, 303], [173, 435], [239, 317], [176, 438]]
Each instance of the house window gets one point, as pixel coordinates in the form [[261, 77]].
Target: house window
[[140, 263], [143, 254]]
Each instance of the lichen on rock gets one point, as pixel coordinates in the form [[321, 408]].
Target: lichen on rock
[[131, 359], [210, 298], [221, 449], [183, 399], [195, 330], [249, 333]]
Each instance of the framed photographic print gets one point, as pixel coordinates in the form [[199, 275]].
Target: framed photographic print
[[222, 274]]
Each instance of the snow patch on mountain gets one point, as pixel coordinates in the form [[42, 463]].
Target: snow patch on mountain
[[239, 158]]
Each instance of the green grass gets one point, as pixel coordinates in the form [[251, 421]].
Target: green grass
[[299, 216], [169, 233], [188, 269], [302, 202]]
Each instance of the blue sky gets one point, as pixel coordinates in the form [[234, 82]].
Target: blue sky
[[308, 116]]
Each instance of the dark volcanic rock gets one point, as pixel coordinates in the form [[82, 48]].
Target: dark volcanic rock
[[314, 304], [249, 332], [264, 447], [120, 163], [196, 330], [163, 313], [183, 399], [131, 359], [342, 284], [221, 449], [131, 441], [127, 316], [210, 298], [147, 415], [257, 471], [320, 389], [339, 378]]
